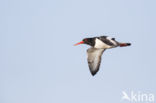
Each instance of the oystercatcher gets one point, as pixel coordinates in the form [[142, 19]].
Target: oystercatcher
[[98, 46]]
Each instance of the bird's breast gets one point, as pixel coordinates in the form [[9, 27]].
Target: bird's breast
[[101, 44]]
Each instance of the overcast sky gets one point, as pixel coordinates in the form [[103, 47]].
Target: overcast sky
[[39, 64]]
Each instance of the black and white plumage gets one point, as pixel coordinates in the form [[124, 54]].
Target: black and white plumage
[[98, 46]]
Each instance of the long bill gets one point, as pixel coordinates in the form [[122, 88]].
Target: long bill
[[81, 42]]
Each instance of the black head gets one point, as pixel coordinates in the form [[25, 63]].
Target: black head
[[89, 41]]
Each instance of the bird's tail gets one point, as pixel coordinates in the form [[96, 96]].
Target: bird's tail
[[124, 44]]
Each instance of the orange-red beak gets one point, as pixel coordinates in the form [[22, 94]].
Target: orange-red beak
[[81, 42]]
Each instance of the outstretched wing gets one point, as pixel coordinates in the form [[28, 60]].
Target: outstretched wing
[[94, 59], [108, 40]]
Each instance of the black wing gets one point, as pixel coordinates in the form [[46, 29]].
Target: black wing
[[105, 40]]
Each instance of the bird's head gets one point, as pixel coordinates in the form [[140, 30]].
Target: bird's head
[[88, 41]]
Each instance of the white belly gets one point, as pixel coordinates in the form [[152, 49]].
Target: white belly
[[100, 44]]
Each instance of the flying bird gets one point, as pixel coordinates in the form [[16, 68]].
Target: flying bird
[[98, 46]]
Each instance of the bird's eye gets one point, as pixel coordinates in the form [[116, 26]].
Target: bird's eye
[[113, 38], [85, 39]]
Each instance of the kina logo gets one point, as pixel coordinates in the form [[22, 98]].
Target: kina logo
[[137, 97]]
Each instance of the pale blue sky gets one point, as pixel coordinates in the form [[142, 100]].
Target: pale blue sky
[[39, 64]]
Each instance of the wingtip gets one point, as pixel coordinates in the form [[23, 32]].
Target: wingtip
[[93, 73]]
